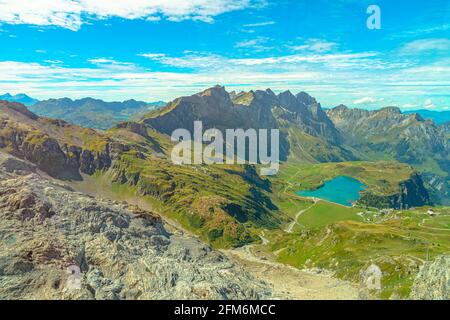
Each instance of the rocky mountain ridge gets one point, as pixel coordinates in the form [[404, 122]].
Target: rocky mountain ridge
[[66, 151], [55, 146], [216, 108], [59, 244]]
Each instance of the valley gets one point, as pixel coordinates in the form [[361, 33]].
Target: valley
[[263, 222], [285, 281], [219, 152]]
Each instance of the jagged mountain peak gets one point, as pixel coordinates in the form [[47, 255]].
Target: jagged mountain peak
[[216, 96], [418, 117], [305, 98], [270, 92], [216, 91], [286, 94], [341, 107], [255, 109], [265, 96]]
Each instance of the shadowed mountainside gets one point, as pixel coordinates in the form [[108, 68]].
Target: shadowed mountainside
[[388, 134], [298, 117]]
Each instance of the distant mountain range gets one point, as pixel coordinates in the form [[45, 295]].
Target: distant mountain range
[[21, 98], [438, 117], [93, 113]]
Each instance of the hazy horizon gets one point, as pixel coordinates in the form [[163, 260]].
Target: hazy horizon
[[275, 91], [152, 51]]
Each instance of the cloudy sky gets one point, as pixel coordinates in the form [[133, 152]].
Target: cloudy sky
[[160, 49]]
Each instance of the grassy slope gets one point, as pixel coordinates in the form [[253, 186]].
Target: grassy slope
[[381, 177], [397, 243], [324, 213], [223, 204], [347, 240], [305, 148], [326, 235]]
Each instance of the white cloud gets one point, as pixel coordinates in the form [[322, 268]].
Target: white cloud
[[71, 14], [109, 79], [367, 100], [207, 61], [421, 31], [315, 45], [407, 106], [425, 45], [153, 56], [428, 104], [194, 60], [256, 44], [333, 77], [153, 18], [259, 24]]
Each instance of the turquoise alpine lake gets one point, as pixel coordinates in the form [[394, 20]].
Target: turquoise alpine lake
[[342, 190]]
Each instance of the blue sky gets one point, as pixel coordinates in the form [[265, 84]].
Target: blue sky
[[161, 49]]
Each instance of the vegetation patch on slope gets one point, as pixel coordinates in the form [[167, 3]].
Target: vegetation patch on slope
[[398, 243]]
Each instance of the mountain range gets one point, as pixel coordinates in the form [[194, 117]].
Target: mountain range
[[401, 159], [310, 134], [299, 117], [409, 138], [21, 98], [93, 113]]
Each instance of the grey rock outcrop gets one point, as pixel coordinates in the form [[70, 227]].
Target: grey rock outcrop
[[59, 244], [433, 280]]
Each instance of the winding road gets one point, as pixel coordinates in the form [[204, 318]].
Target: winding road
[[292, 225]]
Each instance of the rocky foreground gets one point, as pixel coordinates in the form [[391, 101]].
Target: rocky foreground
[[59, 244], [433, 280]]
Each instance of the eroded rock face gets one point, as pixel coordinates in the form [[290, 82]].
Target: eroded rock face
[[411, 193], [259, 109], [433, 280], [59, 244]]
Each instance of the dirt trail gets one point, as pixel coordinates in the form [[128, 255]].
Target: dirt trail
[[290, 283], [292, 225]]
